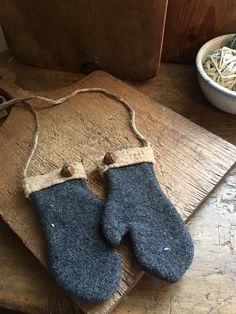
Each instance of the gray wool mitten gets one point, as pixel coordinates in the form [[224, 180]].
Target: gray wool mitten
[[78, 257], [137, 206]]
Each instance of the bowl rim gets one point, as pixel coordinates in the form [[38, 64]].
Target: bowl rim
[[204, 75]]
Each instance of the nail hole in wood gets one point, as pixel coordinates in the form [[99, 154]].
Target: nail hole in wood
[[192, 37], [88, 68]]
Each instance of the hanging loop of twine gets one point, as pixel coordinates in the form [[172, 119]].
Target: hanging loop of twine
[[54, 102]]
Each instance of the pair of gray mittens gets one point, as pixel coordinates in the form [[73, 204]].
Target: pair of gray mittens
[[81, 230]]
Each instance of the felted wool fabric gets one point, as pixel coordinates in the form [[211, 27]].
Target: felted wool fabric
[[137, 206], [78, 257]]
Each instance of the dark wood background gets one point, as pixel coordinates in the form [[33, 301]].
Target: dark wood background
[[121, 37], [190, 23]]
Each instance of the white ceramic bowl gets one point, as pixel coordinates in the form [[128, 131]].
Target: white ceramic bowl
[[221, 97]]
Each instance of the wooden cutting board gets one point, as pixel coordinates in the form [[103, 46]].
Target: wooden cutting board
[[190, 160]]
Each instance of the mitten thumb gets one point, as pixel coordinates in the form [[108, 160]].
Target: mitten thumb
[[114, 226]]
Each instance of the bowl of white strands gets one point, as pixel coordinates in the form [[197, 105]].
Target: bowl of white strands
[[216, 65]]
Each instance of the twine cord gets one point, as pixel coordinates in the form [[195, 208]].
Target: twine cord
[[220, 66], [55, 102], [35, 141]]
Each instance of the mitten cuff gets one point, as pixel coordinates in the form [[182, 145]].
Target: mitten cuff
[[126, 157], [70, 171]]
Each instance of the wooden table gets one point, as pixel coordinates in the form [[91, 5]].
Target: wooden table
[[210, 284]]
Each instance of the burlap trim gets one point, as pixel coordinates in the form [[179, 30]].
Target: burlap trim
[[36, 183], [126, 157]]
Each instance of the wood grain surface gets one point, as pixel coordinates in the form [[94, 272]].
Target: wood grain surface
[[177, 88], [26, 286], [190, 23], [123, 38], [189, 158]]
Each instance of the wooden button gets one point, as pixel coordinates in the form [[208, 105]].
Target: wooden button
[[67, 171], [109, 158]]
